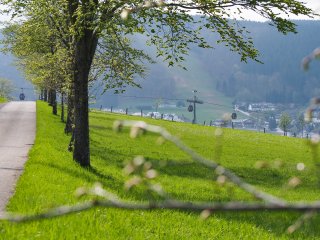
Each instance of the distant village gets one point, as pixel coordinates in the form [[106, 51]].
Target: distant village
[[262, 117], [267, 117]]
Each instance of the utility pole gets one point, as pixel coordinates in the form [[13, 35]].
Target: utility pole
[[194, 101]]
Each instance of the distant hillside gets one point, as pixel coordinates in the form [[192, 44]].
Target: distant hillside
[[220, 77], [280, 79]]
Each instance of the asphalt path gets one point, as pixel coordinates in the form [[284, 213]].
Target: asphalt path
[[17, 134]]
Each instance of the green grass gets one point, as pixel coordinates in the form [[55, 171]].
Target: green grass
[[3, 100], [51, 177]]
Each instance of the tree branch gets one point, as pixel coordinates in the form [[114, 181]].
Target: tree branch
[[168, 204]]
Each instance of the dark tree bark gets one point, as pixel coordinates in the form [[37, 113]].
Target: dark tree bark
[[54, 102], [50, 98], [84, 52], [45, 95], [70, 115], [41, 94], [62, 106]]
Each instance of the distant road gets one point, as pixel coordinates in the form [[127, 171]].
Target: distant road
[[17, 134]]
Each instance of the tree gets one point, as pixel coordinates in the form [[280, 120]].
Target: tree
[[164, 22], [285, 121], [43, 62], [6, 88], [300, 123]]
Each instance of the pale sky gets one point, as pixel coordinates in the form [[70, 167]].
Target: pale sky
[[313, 4]]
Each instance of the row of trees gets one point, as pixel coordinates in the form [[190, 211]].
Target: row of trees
[[6, 88], [287, 123], [65, 45]]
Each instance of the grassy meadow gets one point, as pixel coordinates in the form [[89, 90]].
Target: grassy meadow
[[51, 177]]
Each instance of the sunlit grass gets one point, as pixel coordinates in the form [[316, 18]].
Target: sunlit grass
[[51, 177]]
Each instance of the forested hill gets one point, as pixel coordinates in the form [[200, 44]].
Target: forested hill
[[280, 78], [221, 77]]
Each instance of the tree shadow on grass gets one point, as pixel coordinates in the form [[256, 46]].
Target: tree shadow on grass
[[182, 168], [108, 155], [90, 175], [187, 169], [274, 178], [274, 222], [262, 177]]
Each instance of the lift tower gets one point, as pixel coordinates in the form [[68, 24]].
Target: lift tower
[[194, 101]]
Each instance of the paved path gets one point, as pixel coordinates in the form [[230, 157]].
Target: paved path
[[17, 133]]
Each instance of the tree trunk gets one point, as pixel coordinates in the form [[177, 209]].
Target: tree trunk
[[72, 18], [54, 102], [45, 93], [62, 107], [84, 52], [70, 115], [50, 98], [41, 94]]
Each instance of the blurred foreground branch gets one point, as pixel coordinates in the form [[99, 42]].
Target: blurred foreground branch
[[115, 202]]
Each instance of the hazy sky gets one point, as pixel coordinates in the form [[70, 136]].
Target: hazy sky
[[313, 4]]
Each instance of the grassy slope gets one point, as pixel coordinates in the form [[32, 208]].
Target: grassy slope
[[51, 178]]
